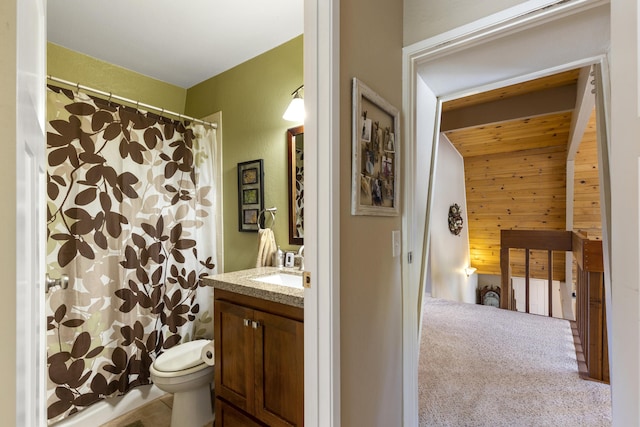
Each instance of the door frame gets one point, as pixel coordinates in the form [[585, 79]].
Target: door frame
[[417, 95], [322, 214], [30, 208], [322, 300]]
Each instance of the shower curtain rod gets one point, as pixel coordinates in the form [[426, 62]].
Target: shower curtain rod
[[130, 101]]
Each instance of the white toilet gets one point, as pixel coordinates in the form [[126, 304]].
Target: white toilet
[[181, 370]]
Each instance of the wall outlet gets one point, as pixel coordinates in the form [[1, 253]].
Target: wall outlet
[[288, 259], [395, 243]]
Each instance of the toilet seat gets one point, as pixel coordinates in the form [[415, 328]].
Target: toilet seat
[[182, 371], [183, 357]]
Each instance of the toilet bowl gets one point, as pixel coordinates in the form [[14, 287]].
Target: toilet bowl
[[182, 371]]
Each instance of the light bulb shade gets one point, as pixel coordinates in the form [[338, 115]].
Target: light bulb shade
[[470, 270], [295, 110]]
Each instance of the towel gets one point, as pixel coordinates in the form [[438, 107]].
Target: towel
[[266, 247]]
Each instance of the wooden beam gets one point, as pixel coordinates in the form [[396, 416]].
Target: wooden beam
[[538, 239], [550, 280], [526, 279], [585, 105], [588, 253], [505, 288], [557, 99]]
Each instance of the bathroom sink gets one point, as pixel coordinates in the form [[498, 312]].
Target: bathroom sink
[[282, 279]]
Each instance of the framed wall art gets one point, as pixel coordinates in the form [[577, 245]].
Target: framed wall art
[[250, 194], [295, 142], [375, 154]]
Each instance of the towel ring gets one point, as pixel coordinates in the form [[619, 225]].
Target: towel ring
[[263, 214]]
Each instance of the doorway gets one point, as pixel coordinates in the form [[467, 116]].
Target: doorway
[[515, 157], [321, 371], [511, 47]]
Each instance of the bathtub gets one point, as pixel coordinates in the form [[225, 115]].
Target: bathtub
[[109, 409]]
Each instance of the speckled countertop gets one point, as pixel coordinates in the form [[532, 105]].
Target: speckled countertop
[[241, 282]]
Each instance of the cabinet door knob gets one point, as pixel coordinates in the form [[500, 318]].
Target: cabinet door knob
[[255, 325], [247, 322]]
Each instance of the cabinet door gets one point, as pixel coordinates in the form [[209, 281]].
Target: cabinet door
[[228, 416], [234, 354], [279, 370]]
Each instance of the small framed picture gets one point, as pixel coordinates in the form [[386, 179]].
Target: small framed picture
[[375, 154], [249, 176], [250, 216], [250, 194]]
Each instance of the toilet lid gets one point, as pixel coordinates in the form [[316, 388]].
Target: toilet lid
[[182, 356]]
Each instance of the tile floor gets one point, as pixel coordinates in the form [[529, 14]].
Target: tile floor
[[156, 413]]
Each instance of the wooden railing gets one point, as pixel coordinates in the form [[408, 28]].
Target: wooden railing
[[591, 321], [590, 306], [546, 240]]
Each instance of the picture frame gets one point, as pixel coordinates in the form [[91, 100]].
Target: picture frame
[[375, 156], [250, 194], [295, 145]]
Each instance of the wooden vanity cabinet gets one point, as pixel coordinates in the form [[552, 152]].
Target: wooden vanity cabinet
[[228, 415], [259, 369]]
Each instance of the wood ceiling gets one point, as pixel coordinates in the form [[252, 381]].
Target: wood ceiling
[[513, 135], [553, 81], [515, 173], [529, 133]]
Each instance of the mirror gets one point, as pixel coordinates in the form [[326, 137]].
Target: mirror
[[295, 140]]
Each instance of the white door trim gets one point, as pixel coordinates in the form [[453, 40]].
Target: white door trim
[[322, 224], [522, 16], [30, 392], [322, 301]]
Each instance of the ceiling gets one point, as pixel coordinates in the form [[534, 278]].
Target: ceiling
[[529, 131], [175, 42], [481, 65], [555, 80]]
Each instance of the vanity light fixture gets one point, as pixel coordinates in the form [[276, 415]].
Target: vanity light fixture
[[295, 110]]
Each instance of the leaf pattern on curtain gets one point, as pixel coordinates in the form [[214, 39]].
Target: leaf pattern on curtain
[[130, 217], [299, 192]]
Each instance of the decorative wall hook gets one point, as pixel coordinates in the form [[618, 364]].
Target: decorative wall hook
[[455, 219]]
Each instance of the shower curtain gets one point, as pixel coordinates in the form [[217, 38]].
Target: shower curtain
[[130, 216]]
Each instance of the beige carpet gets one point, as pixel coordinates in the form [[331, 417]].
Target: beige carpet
[[482, 366]]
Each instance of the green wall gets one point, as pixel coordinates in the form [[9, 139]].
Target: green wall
[[252, 98], [79, 68]]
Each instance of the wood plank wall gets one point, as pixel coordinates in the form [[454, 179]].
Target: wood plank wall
[[586, 196], [515, 190]]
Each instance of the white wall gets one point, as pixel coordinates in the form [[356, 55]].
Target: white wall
[[538, 296], [449, 254], [424, 19], [625, 250]]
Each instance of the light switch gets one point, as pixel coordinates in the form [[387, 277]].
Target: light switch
[[395, 243]]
